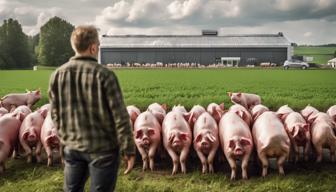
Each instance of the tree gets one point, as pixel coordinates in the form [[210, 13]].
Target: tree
[[54, 44], [14, 49]]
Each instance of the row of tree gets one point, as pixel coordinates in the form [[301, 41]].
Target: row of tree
[[51, 47]]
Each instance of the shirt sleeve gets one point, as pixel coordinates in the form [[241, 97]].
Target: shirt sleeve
[[52, 90], [120, 115]]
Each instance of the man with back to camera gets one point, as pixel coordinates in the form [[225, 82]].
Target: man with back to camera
[[89, 113]]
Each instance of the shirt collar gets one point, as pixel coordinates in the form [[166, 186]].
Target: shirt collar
[[80, 57]]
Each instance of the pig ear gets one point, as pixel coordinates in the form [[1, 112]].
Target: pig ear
[[38, 92], [198, 138], [211, 137], [43, 112], [187, 116], [231, 144], [160, 117], [295, 131], [134, 116], [306, 127], [244, 141], [27, 90], [164, 106], [311, 118], [184, 136], [20, 116], [239, 94], [256, 115], [229, 94], [282, 116], [171, 137], [221, 106], [138, 134], [151, 131]]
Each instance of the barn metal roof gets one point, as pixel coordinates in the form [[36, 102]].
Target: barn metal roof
[[194, 41]]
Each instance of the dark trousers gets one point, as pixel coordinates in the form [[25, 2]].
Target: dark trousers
[[102, 169]]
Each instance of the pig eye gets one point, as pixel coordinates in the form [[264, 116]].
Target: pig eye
[[151, 132], [198, 138], [138, 134], [183, 136], [231, 144]]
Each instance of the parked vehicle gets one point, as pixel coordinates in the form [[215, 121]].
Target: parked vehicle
[[295, 64]]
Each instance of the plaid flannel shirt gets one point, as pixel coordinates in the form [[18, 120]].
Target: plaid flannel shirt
[[87, 108]]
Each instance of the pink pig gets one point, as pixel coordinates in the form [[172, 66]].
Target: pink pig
[[257, 110], [11, 101], [216, 110], [247, 100], [308, 111], [176, 135], [322, 134], [24, 109], [30, 132], [242, 112], [283, 111], [9, 130], [193, 114], [271, 140], [332, 112], [50, 139], [298, 132], [236, 140], [159, 111], [179, 108], [206, 140], [133, 112], [147, 136]]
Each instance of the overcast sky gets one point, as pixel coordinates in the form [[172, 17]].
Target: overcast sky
[[302, 21]]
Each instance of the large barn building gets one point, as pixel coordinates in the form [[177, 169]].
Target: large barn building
[[208, 48]]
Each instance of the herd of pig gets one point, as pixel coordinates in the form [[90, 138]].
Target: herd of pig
[[22, 130], [246, 127]]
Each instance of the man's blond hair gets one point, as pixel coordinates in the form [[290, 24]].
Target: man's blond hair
[[83, 36]]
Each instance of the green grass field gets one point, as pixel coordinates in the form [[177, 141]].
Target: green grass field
[[321, 54], [189, 87]]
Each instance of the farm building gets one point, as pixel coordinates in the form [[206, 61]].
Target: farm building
[[207, 48]]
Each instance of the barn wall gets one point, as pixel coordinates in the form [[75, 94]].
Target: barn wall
[[197, 55]]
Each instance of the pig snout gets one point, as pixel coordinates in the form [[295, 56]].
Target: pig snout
[[176, 140], [237, 146], [30, 136], [53, 141]]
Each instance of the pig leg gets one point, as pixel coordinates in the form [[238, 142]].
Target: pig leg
[[211, 158], [332, 152], [203, 161], [183, 158], [49, 154], [175, 159], [319, 151], [306, 151], [296, 151], [151, 155], [264, 162], [28, 151], [38, 152], [233, 166], [280, 162], [244, 165], [2, 167], [144, 157]]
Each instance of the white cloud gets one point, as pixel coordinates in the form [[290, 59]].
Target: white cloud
[[181, 9]]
